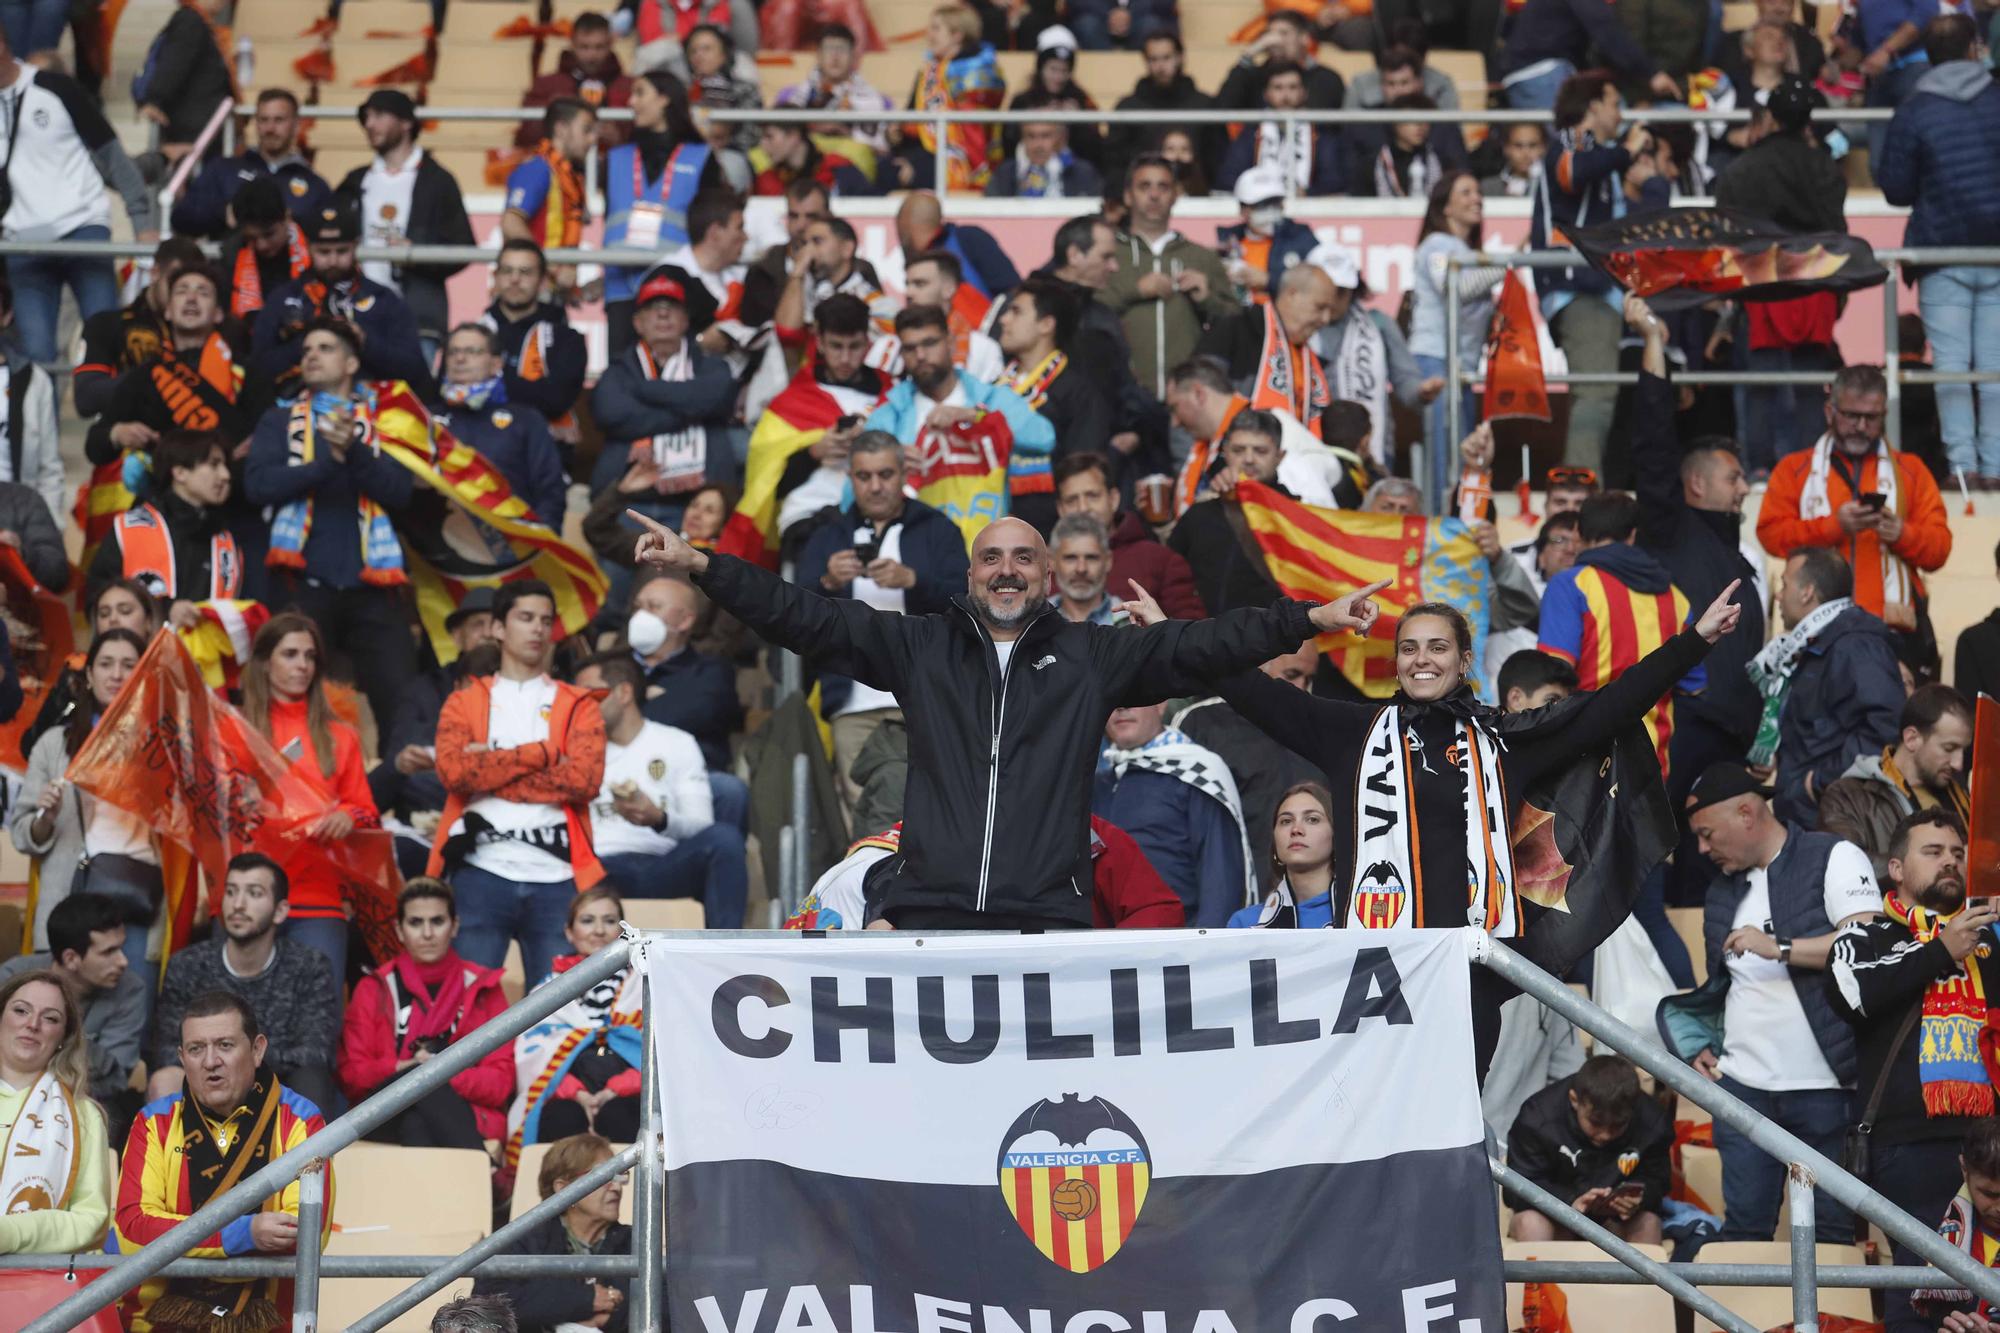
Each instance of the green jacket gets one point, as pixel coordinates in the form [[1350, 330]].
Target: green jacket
[[1163, 333]]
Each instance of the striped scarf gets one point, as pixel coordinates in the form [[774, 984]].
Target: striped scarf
[[1771, 672], [1949, 1064], [1289, 379], [381, 549]]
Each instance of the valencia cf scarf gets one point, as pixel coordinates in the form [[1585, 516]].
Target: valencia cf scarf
[[1949, 1066], [1289, 379], [381, 550], [1961, 1227], [195, 392], [246, 284]]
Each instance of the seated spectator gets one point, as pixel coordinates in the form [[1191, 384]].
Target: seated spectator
[[33, 452], [715, 85], [188, 1145], [1306, 155], [1164, 89], [1923, 770], [1548, 41], [1403, 160], [1266, 244], [543, 358], [1801, 54], [1227, 575], [183, 78], [413, 1008], [649, 185], [1053, 86], [666, 401], [286, 982], [118, 339], [1203, 401], [267, 248], [514, 437], [387, 348], [888, 551], [45, 1067], [1598, 1143], [1301, 846], [663, 27], [1832, 690], [1080, 568], [1521, 154], [1976, 660], [475, 1314], [405, 785], [787, 153], [1178, 801], [983, 265], [1400, 69], [685, 689], [1083, 258], [834, 83], [1037, 328], [806, 202], [830, 269], [959, 74], [521, 756], [936, 278], [175, 544], [1267, 773], [577, 1071], [1104, 25], [204, 209], [588, 1226], [546, 202], [1287, 41], [1043, 167], [587, 70], [654, 822], [86, 933]]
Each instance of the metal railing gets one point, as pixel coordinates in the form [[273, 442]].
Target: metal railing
[[218, 123], [1438, 478]]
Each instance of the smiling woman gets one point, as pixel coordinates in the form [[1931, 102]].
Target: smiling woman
[[55, 1194]]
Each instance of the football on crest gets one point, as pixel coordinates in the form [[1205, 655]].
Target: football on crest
[[1073, 1200]]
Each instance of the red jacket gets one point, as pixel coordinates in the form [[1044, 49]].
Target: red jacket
[[315, 885], [368, 1049], [1126, 892], [612, 88], [1139, 556]]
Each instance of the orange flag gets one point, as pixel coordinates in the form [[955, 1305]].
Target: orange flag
[[169, 751], [1514, 383], [1982, 861], [1544, 1308]]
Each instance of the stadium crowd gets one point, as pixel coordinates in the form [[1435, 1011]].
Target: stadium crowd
[[1019, 529]]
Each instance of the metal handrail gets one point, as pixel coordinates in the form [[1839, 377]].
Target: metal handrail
[[190, 161]]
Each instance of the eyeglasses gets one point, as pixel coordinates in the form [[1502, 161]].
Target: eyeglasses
[[1572, 476], [1861, 417]]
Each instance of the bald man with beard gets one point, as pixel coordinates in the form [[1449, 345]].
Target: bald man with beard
[[1005, 701]]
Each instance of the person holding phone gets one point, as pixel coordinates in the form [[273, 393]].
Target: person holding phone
[[1595, 1140]]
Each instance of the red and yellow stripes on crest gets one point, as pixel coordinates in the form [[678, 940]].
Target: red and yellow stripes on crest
[[1082, 1245]]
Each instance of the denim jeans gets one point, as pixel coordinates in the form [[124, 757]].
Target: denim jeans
[[1961, 307], [33, 25], [1784, 418], [731, 797], [1539, 92], [1920, 1179], [327, 935], [709, 866], [38, 282], [492, 911], [1753, 1181]]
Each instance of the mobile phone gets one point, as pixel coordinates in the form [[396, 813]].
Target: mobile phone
[[1631, 1189], [1873, 500], [867, 546], [848, 422]]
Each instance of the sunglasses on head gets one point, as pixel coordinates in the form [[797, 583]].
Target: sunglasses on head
[[1572, 476]]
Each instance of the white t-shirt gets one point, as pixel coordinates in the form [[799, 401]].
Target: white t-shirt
[[520, 716], [1770, 1045], [866, 698], [1006, 653], [665, 764], [385, 212]]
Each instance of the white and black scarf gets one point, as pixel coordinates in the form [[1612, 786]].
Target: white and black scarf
[[1771, 672], [1173, 754], [1289, 150], [1361, 375], [680, 455]]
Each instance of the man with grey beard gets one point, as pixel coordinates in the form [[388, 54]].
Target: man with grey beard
[[1005, 701]]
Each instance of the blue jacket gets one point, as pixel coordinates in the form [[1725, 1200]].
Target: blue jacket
[[1329, 176], [986, 265], [1290, 245], [1942, 157], [1581, 186], [202, 211], [1186, 834], [697, 695], [1034, 437], [333, 546], [1846, 700], [1568, 30], [389, 348], [515, 438], [628, 406], [1314, 914]]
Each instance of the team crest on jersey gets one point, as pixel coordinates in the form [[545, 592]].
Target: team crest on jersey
[[364, 305], [1074, 1174], [1379, 898], [1628, 1162], [298, 187], [656, 769]]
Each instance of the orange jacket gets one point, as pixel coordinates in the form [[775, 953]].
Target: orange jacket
[[565, 770], [1924, 545], [315, 884]]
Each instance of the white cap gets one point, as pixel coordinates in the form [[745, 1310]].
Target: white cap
[[1056, 37], [1260, 183], [1341, 264]]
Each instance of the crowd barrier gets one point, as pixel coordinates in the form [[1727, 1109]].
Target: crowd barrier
[[644, 1266]]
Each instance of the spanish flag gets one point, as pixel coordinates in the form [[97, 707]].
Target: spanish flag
[[1320, 554], [99, 502], [220, 643], [796, 419]]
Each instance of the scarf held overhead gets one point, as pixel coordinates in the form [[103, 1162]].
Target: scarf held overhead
[[1949, 1064]]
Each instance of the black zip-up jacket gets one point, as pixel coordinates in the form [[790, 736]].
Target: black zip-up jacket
[[1548, 1147], [437, 217], [997, 816]]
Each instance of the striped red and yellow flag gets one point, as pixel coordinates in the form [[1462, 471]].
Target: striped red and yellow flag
[[1320, 554]]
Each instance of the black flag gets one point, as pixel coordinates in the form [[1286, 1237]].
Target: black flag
[[1682, 257]]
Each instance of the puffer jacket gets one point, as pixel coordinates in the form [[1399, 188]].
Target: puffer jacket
[[1942, 157], [1845, 701]]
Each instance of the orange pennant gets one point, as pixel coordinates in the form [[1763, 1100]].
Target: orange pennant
[[1515, 386]]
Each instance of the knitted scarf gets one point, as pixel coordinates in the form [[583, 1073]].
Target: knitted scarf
[[477, 396], [195, 390], [381, 549], [1949, 1065], [427, 998], [1279, 386], [246, 285], [1771, 672]]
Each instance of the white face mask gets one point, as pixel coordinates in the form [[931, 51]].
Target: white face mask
[[645, 632], [1265, 218]]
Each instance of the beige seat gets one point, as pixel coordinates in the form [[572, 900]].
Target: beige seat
[[1702, 1168], [498, 67], [666, 913], [1769, 1307], [527, 1186], [777, 71], [1212, 25], [358, 59], [1628, 1308], [1467, 72], [1736, 17], [474, 134], [333, 164], [894, 71], [895, 19], [344, 1300], [261, 19], [276, 60], [385, 18], [1208, 66], [483, 20], [375, 1182]]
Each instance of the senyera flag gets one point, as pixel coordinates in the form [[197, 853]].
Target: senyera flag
[[1682, 257], [1319, 554], [169, 751], [1230, 1132]]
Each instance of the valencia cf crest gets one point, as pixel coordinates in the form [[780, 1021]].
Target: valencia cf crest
[[656, 769], [1628, 1162], [1074, 1174], [503, 418], [1379, 898], [298, 186]]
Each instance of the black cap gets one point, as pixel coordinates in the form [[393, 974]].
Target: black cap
[[1791, 102], [1724, 780], [477, 601], [337, 220], [392, 100]]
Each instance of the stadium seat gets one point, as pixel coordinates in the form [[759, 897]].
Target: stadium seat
[[1467, 72], [375, 1182], [901, 20], [778, 71], [281, 19], [1769, 1307], [1736, 17], [385, 18], [501, 68], [566, 11], [275, 60], [484, 20], [1208, 66], [1686, 922], [527, 1189], [478, 135], [512, 983], [666, 913], [344, 1300], [1703, 1169], [1211, 25], [359, 59], [1636, 1308], [334, 164]]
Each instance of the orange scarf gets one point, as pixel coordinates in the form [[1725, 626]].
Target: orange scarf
[[1289, 379], [1188, 484], [246, 286], [179, 384], [563, 211]]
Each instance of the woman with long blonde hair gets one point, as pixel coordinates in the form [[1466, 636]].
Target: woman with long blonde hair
[[960, 74], [55, 1190]]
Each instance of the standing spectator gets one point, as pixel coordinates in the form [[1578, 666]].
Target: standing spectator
[[1038, 329], [205, 206], [543, 358], [1787, 178], [1941, 159], [1976, 659], [959, 74], [1368, 362], [32, 452], [713, 258], [1205, 404], [1163, 90], [1765, 1026], [1521, 154], [1286, 42], [1548, 41], [1453, 228], [1877, 506], [887, 551], [1597, 1142], [187, 1145], [649, 185], [118, 339], [578, 1069], [57, 1189], [1231, 574], [514, 437], [589, 1226], [34, 26], [1552, 550], [408, 198], [546, 203], [521, 756], [335, 288], [412, 1009], [175, 544], [984, 267], [1080, 556], [1084, 486], [1106, 25], [86, 934], [1403, 158], [268, 248], [1913, 982], [1832, 691], [587, 70], [1582, 183], [57, 176], [1803, 53], [1923, 770], [1178, 801], [184, 78], [406, 780], [285, 982], [1306, 155], [1044, 167], [334, 551], [834, 83], [1892, 33], [654, 821], [1166, 286], [1266, 244], [1053, 87]]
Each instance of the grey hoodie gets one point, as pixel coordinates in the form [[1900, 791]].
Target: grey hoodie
[[1958, 80]]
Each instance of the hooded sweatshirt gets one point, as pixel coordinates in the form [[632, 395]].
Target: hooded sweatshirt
[[1163, 331], [1942, 157]]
